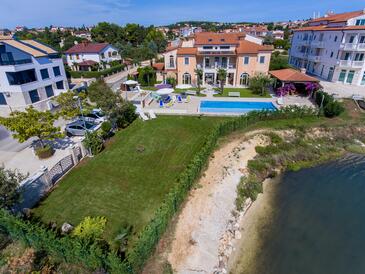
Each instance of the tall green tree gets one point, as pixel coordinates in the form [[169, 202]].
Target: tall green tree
[[69, 104], [221, 76], [9, 183], [260, 84], [199, 77], [32, 123]]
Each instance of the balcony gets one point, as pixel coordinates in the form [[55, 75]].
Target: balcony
[[217, 66], [353, 46], [15, 62], [314, 58], [351, 64], [318, 44], [217, 52]]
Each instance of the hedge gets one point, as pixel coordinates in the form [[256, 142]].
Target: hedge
[[97, 74], [71, 250]]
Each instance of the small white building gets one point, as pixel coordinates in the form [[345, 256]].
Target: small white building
[[332, 47], [85, 56], [31, 74]]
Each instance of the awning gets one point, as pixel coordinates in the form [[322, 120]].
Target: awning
[[165, 91], [130, 82], [292, 76]]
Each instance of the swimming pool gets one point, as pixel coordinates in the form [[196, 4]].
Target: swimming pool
[[234, 107]]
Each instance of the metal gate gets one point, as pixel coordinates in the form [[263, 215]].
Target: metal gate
[[60, 168]]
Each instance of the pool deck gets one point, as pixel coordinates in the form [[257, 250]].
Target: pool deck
[[193, 107]]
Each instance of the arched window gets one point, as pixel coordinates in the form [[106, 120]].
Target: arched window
[[186, 79], [172, 61], [244, 79]]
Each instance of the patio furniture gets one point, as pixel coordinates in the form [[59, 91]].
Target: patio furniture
[[152, 114], [190, 92], [179, 99], [188, 99], [234, 94], [143, 116], [161, 104], [280, 101]]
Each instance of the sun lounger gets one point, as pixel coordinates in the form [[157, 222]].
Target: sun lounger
[[179, 99], [280, 101], [188, 99], [161, 104], [152, 114], [143, 116], [234, 94], [190, 92]]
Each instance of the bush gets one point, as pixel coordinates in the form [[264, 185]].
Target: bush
[[97, 74], [90, 228], [333, 109], [44, 152], [106, 128], [93, 142]]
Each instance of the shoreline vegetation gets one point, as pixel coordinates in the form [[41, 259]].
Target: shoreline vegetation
[[95, 257]]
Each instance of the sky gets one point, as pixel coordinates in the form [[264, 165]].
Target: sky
[[39, 13]]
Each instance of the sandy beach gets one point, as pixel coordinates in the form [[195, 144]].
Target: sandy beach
[[200, 238]]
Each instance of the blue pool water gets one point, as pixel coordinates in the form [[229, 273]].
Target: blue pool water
[[234, 107]]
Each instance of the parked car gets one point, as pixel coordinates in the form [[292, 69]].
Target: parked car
[[96, 116], [79, 128]]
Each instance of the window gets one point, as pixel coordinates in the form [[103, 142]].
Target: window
[[186, 79], [44, 73], [172, 62], [360, 22], [244, 79], [56, 71], [2, 99], [347, 56], [342, 76], [59, 85], [321, 37], [331, 54], [362, 40], [114, 53], [225, 47], [34, 96], [21, 77], [359, 57], [49, 91], [262, 59], [186, 60], [207, 47], [207, 62], [352, 38], [350, 77], [362, 82], [246, 60], [77, 57], [109, 54], [102, 55], [336, 38]]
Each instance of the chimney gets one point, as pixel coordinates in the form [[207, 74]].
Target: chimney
[[303, 70]]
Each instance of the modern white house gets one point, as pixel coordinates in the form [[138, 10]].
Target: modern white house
[[31, 74], [332, 47], [84, 56]]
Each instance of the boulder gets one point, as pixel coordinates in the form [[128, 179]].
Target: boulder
[[66, 228]]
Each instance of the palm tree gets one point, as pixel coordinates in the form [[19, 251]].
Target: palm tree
[[199, 76], [222, 75]]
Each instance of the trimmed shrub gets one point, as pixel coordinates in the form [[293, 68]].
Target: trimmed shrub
[[93, 142], [333, 109], [44, 152], [97, 74]]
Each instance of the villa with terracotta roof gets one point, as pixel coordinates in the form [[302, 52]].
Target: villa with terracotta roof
[[86, 55], [31, 74], [332, 48], [241, 55]]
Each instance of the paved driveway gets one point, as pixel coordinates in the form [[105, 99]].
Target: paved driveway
[[341, 90]]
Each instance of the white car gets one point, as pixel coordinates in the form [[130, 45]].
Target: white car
[[96, 117], [80, 127]]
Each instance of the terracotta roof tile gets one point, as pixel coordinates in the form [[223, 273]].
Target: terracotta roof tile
[[87, 48], [158, 66], [292, 75], [341, 17], [252, 48], [191, 51], [212, 38]]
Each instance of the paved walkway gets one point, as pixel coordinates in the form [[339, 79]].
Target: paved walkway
[[340, 90]]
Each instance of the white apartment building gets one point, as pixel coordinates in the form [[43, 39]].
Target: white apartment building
[[86, 55], [332, 48], [31, 74]]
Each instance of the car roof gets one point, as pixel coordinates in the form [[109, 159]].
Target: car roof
[[77, 122]]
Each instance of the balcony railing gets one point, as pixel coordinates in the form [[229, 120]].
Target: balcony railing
[[317, 44], [314, 58], [217, 66], [15, 62], [353, 46], [352, 64], [218, 52]]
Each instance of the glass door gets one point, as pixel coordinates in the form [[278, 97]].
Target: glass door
[[363, 80], [342, 76], [350, 76]]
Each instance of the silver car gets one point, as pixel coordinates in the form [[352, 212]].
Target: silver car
[[96, 117], [79, 128]]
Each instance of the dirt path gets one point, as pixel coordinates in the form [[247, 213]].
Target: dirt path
[[203, 222]]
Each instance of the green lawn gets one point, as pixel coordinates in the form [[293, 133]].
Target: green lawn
[[245, 93], [129, 179]]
